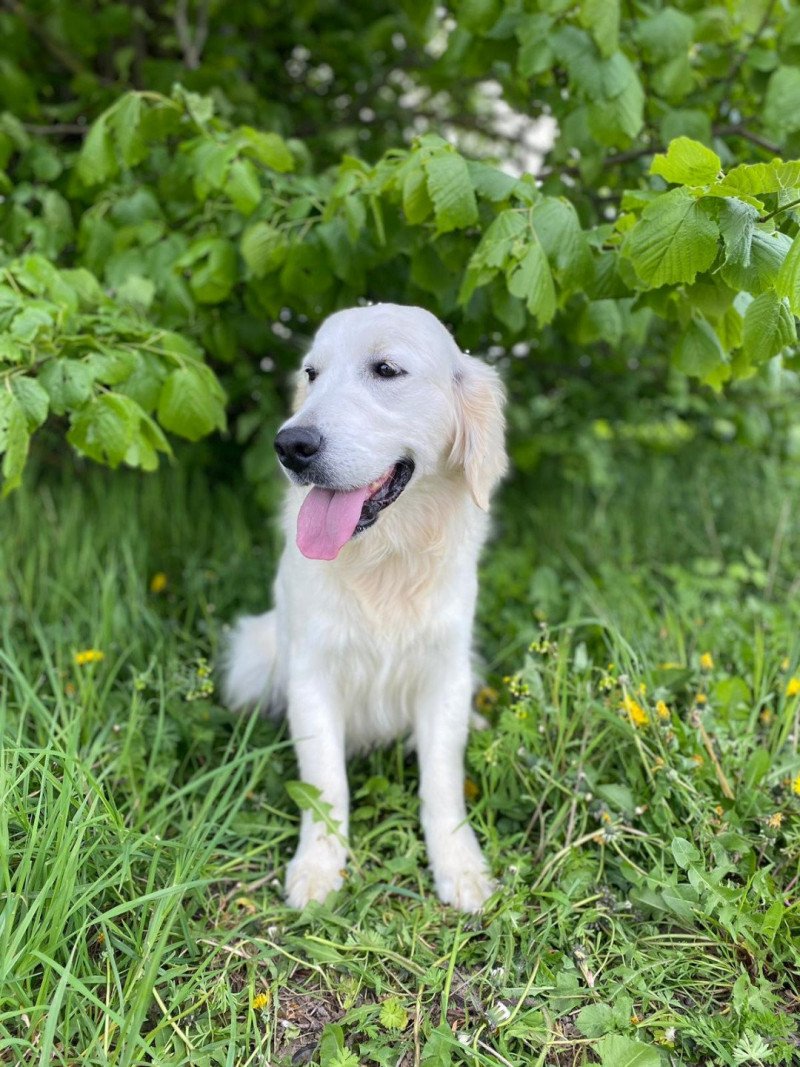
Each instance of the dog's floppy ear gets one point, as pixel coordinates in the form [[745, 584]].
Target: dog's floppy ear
[[479, 445]]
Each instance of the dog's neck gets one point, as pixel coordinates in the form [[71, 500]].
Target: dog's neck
[[403, 561]]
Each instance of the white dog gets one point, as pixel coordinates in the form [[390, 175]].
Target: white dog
[[395, 445]]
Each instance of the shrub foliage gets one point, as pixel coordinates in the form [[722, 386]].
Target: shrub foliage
[[175, 181]]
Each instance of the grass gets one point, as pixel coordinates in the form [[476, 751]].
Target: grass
[[640, 804]]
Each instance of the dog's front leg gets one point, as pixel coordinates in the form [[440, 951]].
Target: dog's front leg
[[459, 869], [317, 727]]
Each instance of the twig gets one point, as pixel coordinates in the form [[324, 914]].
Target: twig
[[245, 888], [739, 130], [778, 210], [184, 1038], [59, 129], [724, 784], [191, 43]]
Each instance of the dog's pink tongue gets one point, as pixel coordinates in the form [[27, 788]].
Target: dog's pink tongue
[[327, 520]]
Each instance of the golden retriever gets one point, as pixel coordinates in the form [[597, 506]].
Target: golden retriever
[[394, 448]]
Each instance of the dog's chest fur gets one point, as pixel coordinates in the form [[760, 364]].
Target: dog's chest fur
[[395, 602]]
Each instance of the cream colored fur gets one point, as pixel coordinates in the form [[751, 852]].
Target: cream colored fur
[[376, 644]]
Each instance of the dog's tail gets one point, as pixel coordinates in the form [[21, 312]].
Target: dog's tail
[[250, 666]]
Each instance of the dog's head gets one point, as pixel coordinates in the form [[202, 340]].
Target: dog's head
[[385, 400]]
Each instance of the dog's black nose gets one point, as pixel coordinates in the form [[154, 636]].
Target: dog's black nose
[[296, 446]]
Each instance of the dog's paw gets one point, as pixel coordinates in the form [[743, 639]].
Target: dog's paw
[[314, 873], [467, 889], [461, 875]]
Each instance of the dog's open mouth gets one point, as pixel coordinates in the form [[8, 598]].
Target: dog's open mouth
[[328, 518]]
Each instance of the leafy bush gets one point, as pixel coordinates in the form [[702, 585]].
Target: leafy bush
[[658, 241]]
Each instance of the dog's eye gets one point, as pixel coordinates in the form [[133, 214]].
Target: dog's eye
[[386, 370], [311, 373]]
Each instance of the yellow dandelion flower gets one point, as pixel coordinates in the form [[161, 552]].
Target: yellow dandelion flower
[[662, 710], [707, 662], [159, 582], [719, 810], [636, 712], [774, 821], [88, 655], [793, 686], [701, 698], [635, 1020], [260, 1000], [796, 785]]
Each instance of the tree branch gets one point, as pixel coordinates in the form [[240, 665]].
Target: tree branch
[[191, 43]]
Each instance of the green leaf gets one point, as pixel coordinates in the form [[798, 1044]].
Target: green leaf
[[268, 148], [601, 18], [137, 291], [33, 398], [664, 35], [699, 352], [190, 403], [243, 187], [97, 159], [768, 252], [787, 283], [532, 281], [437, 1050], [30, 322], [112, 366], [14, 440], [144, 382], [773, 917], [684, 852], [308, 798], [619, 113], [595, 1020], [451, 191], [417, 204], [535, 53], [736, 222], [673, 241], [497, 244], [211, 262], [687, 162], [781, 110], [68, 382], [263, 248], [616, 1051], [564, 242], [331, 1047], [477, 15], [758, 179], [125, 119], [393, 1015], [104, 429], [769, 326], [490, 182]]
